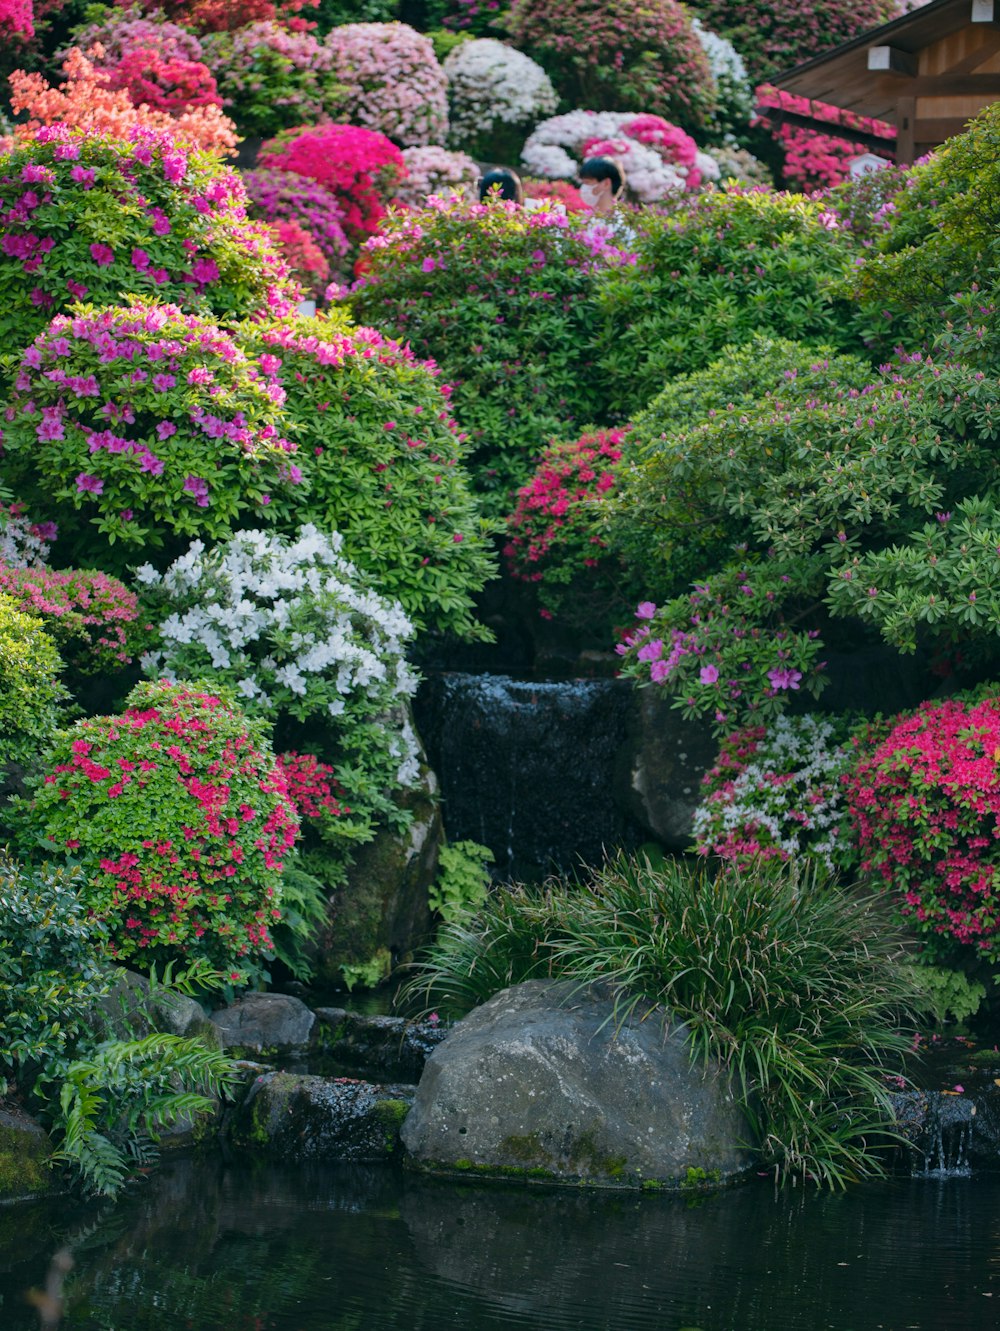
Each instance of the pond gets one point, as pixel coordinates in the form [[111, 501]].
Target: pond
[[202, 1246]]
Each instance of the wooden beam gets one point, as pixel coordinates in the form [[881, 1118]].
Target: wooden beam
[[936, 131], [986, 86], [891, 60], [906, 109], [780, 117]]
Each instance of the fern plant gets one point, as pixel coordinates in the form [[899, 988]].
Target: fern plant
[[114, 1104]]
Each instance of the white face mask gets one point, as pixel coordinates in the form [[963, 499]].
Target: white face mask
[[589, 194]]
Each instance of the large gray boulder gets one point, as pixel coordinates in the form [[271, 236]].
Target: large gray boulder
[[264, 1023], [539, 1083]]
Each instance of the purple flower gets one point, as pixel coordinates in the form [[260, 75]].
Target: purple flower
[[103, 255], [76, 289], [708, 674], [428, 265], [659, 671], [651, 651], [84, 175], [165, 429], [87, 484], [645, 610], [784, 678], [140, 259]]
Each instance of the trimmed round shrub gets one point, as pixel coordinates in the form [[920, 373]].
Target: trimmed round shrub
[[393, 81], [617, 54], [555, 543], [775, 793], [283, 196], [305, 641], [304, 257], [91, 216], [435, 170], [94, 619], [502, 299], [494, 92], [148, 424], [774, 35], [165, 84], [383, 464], [713, 273], [359, 166], [269, 76], [180, 821], [121, 31], [925, 802], [30, 689]]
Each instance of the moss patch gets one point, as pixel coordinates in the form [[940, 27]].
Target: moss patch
[[25, 1167]]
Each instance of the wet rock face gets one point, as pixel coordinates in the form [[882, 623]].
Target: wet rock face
[[25, 1149], [259, 1022], [294, 1118], [528, 768], [390, 1047], [538, 1083]]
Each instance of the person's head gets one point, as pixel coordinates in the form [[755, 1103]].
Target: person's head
[[501, 184], [602, 183]]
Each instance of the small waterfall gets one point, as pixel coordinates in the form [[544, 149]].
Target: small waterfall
[[529, 768], [939, 1127]]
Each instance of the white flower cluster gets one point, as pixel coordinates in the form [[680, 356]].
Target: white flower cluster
[[290, 625], [21, 545], [788, 797], [490, 83], [735, 92], [434, 170], [555, 149]]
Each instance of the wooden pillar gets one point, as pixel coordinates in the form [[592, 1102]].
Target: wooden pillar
[[906, 114]]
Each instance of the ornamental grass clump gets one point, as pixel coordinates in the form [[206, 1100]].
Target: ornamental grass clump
[[180, 820], [147, 424], [924, 799], [307, 643], [797, 987], [383, 463], [776, 793], [91, 216]]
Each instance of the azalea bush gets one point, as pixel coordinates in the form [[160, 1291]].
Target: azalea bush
[[86, 100], [776, 792], [619, 54], [94, 619], [716, 271], [434, 170], [31, 692], [17, 17], [393, 81], [330, 832], [222, 15], [306, 261], [119, 31], [660, 159], [91, 216], [495, 93], [269, 76], [503, 300], [147, 424], [180, 821], [23, 543], [925, 802], [383, 464], [814, 160], [359, 166], [283, 196], [305, 641], [555, 542], [172, 85], [733, 89]]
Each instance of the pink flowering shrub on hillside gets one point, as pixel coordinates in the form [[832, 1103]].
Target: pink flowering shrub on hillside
[[94, 619], [303, 256], [148, 424], [91, 216], [165, 84], [925, 802], [360, 167], [283, 196], [180, 819], [120, 31], [393, 80], [619, 54], [555, 541]]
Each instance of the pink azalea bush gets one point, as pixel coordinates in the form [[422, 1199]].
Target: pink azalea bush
[[360, 167], [94, 620], [616, 54], [393, 80], [148, 424], [304, 257], [119, 31], [813, 160], [181, 821], [775, 792], [169, 84], [17, 17], [434, 170], [91, 216], [283, 196], [223, 15], [925, 802]]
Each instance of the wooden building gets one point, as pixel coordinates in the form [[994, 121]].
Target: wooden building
[[928, 73]]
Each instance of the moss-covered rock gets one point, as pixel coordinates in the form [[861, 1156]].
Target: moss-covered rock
[[25, 1158]]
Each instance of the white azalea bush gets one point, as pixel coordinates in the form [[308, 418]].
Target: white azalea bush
[[492, 86], [305, 641], [435, 170], [775, 792], [734, 91], [659, 158]]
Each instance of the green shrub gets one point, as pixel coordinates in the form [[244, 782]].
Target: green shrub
[[796, 986], [714, 273], [383, 464], [179, 818], [462, 880], [30, 689], [503, 301]]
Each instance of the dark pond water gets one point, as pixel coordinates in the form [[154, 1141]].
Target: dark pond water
[[202, 1247]]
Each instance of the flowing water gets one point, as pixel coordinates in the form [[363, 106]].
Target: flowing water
[[205, 1247]]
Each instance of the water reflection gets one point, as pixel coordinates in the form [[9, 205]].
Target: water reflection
[[211, 1248]]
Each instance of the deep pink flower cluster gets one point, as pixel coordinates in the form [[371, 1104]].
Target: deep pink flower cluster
[[359, 166], [16, 16], [165, 83], [223, 15], [313, 788], [93, 618], [283, 196], [814, 160], [926, 806], [181, 820], [303, 256]]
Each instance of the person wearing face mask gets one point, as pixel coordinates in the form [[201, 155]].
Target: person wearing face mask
[[602, 184]]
